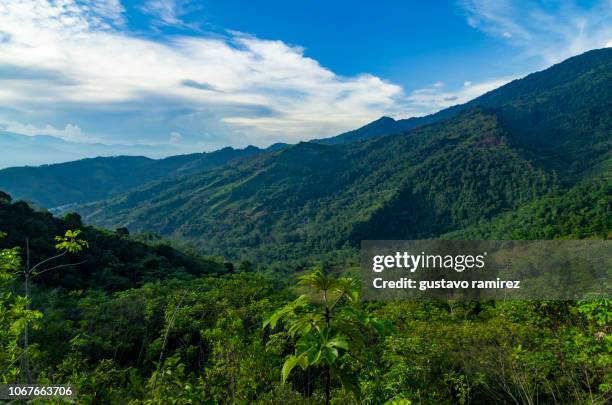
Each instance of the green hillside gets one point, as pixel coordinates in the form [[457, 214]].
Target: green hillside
[[490, 156], [98, 178], [583, 211], [113, 261], [381, 127]]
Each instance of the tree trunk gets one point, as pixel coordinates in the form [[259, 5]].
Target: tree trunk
[[26, 343], [26, 339], [327, 385], [327, 371]]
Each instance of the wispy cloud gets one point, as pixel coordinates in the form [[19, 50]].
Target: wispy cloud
[[170, 12], [437, 96], [552, 30], [104, 13], [70, 132], [175, 137], [236, 79]]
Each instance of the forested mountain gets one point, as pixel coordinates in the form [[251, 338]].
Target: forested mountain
[[380, 127], [550, 113], [112, 261], [583, 211], [526, 140], [102, 177], [24, 150], [536, 106], [61, 185]]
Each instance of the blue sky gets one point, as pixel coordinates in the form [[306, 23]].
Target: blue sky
[[198, 75]]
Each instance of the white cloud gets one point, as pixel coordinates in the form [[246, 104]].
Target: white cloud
[[175, 137], [104, 11], [264, 88], [168, 12], [432, 99], [70, 132], [552, 30]]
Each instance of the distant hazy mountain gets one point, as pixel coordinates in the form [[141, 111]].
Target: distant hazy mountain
[[530, 140], [22, 150], [93, 179]]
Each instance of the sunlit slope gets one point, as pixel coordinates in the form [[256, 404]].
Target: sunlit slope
[[540, 135]]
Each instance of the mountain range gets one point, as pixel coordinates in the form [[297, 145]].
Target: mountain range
[[65, 184], [22, 150], [512, 156]]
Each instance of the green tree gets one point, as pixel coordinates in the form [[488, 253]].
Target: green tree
[[329, 329], [14, 317], [5, 198], [68, 243]]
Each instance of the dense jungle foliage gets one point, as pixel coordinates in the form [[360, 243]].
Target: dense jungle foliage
[[172, 327]]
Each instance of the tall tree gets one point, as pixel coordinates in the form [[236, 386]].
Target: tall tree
[[68, 243], [329, 329], [14, 316]]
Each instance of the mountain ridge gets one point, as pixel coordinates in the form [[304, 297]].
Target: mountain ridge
[[474, 164], [504, 101], [91, 179], [38, 150]]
